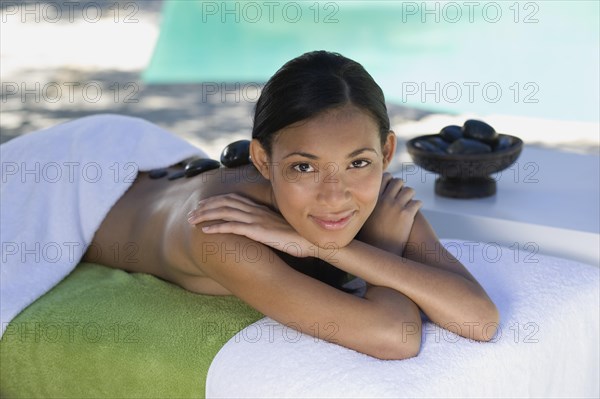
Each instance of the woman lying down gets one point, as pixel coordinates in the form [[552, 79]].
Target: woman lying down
[[314, 206]]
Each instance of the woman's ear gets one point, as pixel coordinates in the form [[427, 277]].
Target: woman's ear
[[389, 149], [260, 158]]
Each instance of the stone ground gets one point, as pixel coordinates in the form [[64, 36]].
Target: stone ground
[[54, 72], [38, 93], [206, 114]]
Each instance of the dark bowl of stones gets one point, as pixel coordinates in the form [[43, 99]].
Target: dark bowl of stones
[[465, 157]]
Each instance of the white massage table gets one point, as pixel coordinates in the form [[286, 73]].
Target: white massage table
[[546, 344]]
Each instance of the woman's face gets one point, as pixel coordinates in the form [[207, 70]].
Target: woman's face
[[326, 173]]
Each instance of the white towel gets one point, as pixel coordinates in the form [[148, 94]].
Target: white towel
[[58, 184], [546, 345]]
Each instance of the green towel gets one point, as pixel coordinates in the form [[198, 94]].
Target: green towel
[[104, 332]]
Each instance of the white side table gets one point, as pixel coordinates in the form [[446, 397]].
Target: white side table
[[547, 202]]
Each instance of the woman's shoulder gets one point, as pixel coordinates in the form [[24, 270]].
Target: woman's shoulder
[[162, 205]]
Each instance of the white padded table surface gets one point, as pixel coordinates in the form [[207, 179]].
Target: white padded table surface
[[546, 345]]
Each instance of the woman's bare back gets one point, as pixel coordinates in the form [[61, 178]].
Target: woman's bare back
[[144, 230]]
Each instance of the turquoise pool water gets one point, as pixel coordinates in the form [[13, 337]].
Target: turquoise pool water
[[529, 58]]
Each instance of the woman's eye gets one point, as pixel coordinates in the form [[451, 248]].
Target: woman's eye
[[360, 163], [303, 168]]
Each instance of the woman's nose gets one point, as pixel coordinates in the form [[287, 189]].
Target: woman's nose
[[333, 190]]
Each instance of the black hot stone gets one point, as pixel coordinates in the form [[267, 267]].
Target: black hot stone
[[478, 130], [468, 146], [502, 143], [157, 173], [439, 143], [427, 146], [236, 154], [200, 165], [451, 133], [184, 163], [176, 175]]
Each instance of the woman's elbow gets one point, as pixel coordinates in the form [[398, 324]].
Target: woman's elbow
[[487, 324], [399, 343], [405, 349]]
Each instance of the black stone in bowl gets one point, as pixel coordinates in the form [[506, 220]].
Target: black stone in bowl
[[466, 175]]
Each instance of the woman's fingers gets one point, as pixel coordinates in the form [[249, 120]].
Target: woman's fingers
[[232, 213], [385, 180], [406, 194], [226, 228], [240, 198], [413, 206], [227, 201], [394, 186], [396, 189], [221, 213]]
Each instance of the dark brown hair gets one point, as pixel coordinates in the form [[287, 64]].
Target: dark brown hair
[[311, 84]]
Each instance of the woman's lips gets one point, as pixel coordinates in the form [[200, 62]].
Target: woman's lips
[[333, 222]]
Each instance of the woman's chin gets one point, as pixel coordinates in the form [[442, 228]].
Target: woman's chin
[[333, 241]]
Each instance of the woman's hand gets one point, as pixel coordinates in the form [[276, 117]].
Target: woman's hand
[[239, 215], [388, 227]]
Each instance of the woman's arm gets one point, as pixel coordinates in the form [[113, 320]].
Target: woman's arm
[[411, 260], [448, 298], [384, 324]]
